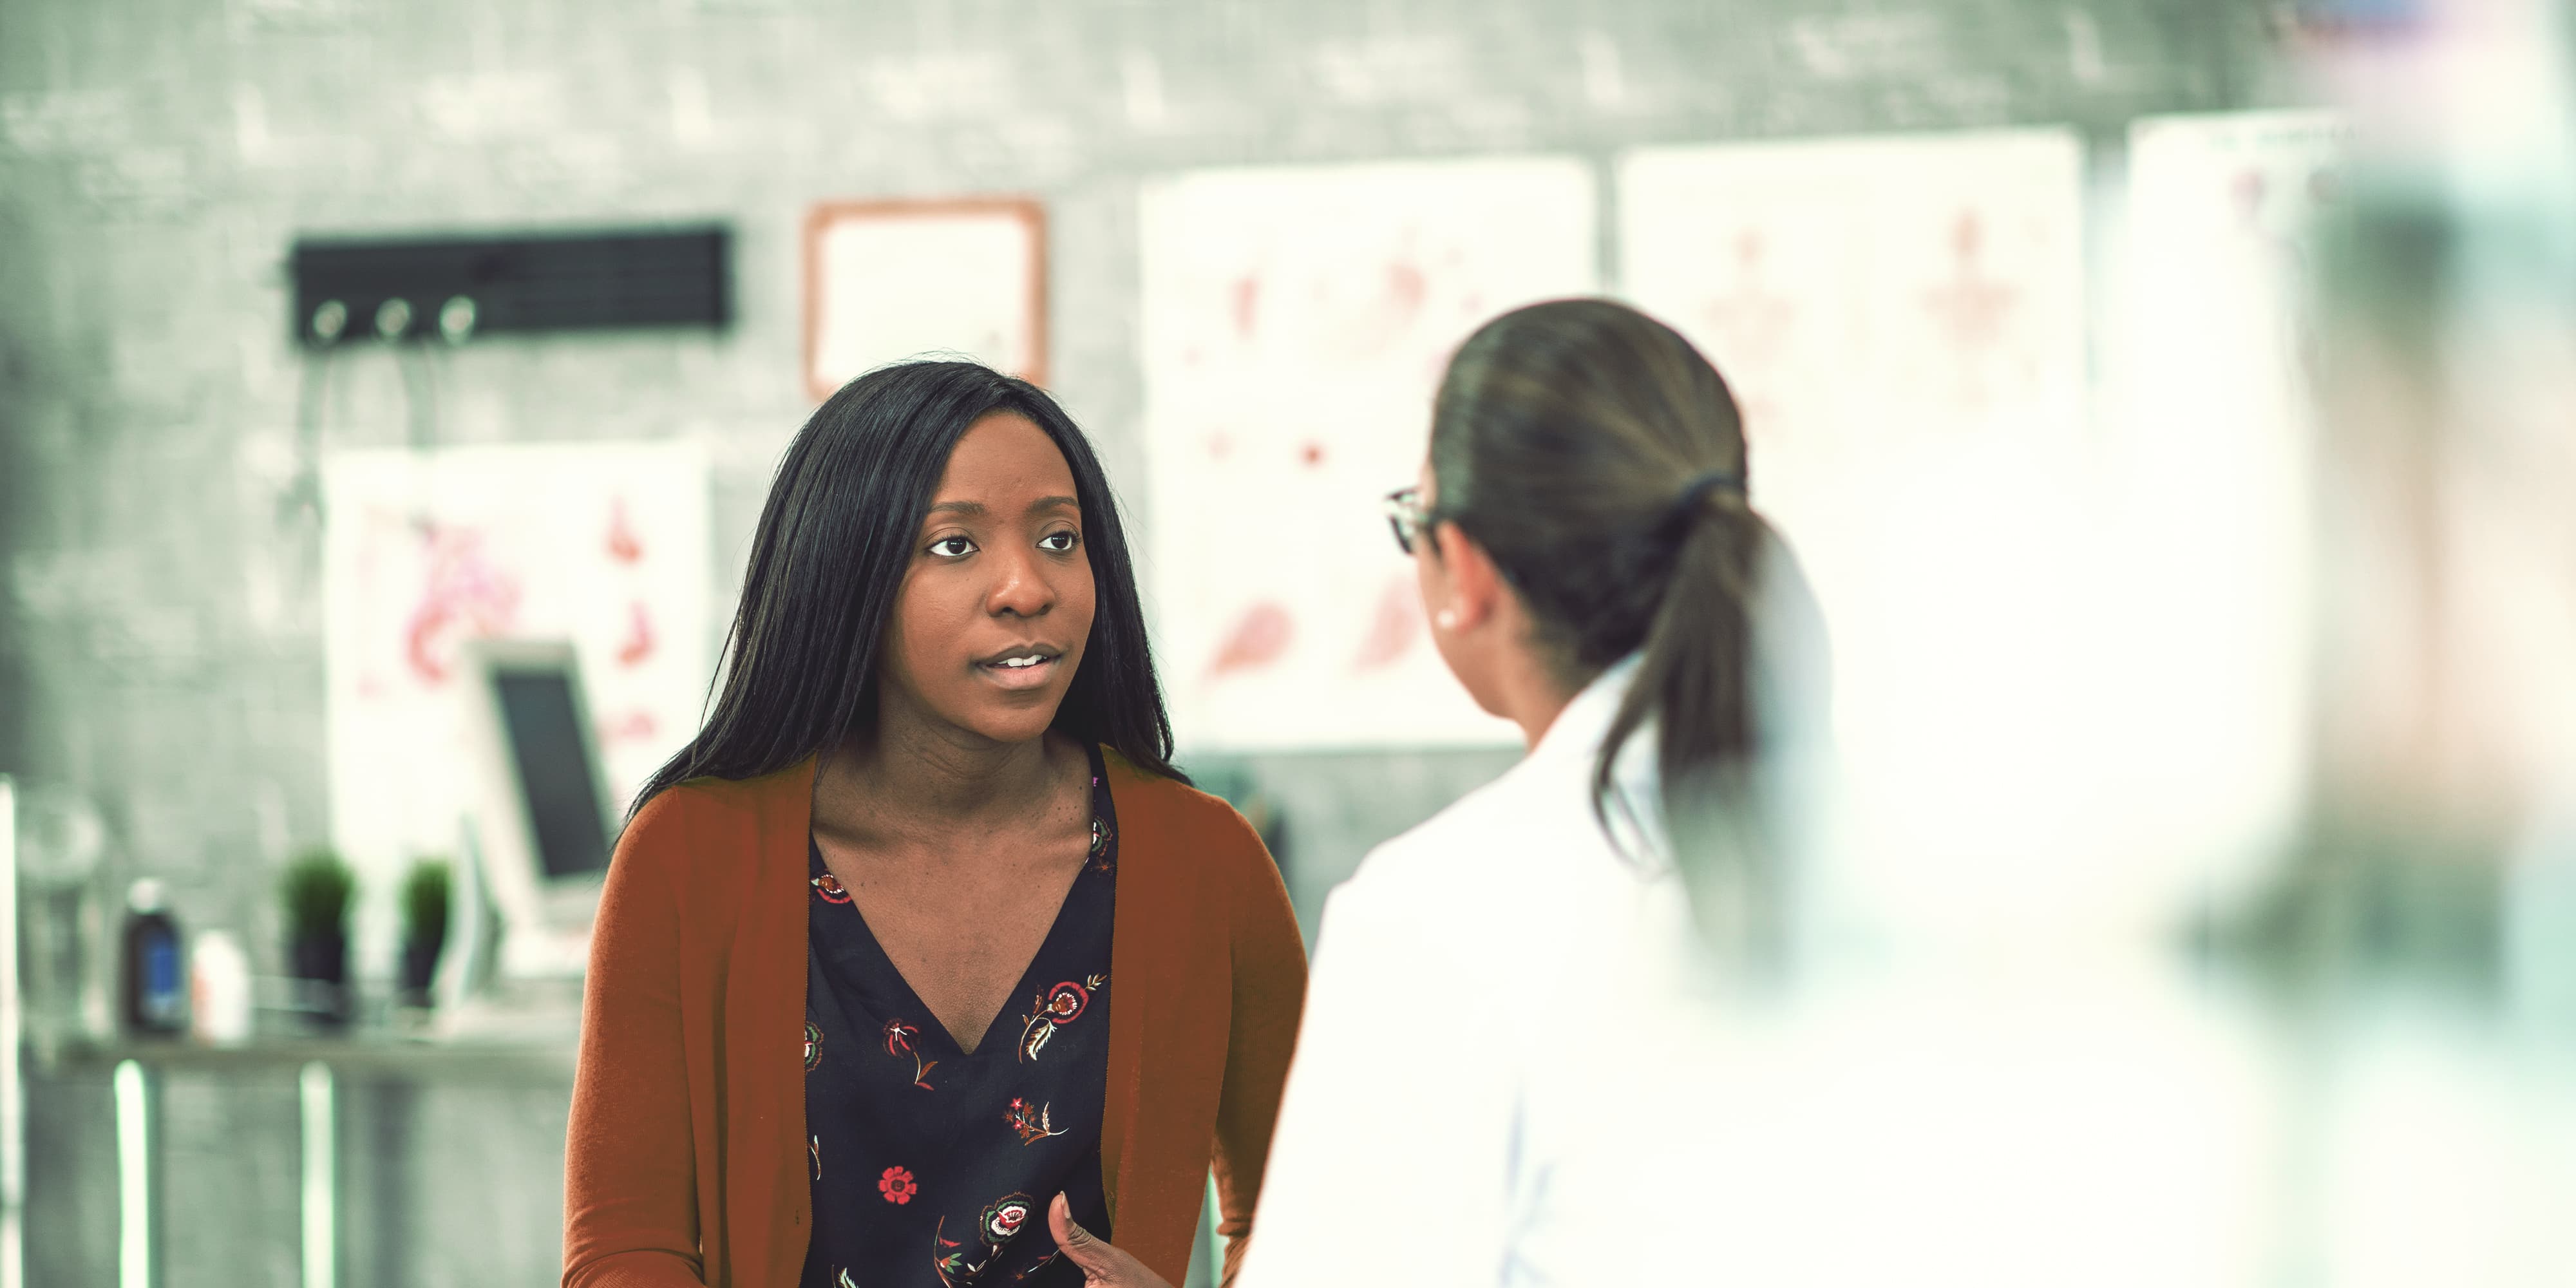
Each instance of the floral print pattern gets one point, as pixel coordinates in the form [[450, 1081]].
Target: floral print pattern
[[1104, 850], [1033, 1125], [909, 1169], [899, 1036], [1052, 1010], [948, 1257], [1000, 1222], [898, 1040], [1003, 1218]]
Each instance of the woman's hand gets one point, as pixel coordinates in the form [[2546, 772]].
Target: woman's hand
[[1103, 1265]]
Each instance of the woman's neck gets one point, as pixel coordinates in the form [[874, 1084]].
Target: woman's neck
[[1526, 688], [1534, 706], [907, 775]]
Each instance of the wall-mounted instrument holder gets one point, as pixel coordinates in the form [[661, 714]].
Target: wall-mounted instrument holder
[[460, 288]]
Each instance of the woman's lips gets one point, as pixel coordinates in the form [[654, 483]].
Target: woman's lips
[[1034, 675]]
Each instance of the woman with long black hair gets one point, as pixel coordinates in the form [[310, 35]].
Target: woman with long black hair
[[1485, 1090], [921, 959]]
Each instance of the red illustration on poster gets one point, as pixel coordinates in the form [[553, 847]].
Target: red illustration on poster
[[1397, 624], [599, 544], [465, 597], [639, 636], [1339, 293], [1258, 638]]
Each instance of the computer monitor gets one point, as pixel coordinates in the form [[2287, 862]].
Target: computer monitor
[[540, 823]]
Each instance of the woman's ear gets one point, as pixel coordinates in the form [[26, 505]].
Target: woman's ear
[[1475, 583]]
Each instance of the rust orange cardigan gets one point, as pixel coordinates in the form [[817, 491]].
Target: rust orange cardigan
[[685, 1162]]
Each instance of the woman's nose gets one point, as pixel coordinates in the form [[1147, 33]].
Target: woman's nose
[[1022, 590]]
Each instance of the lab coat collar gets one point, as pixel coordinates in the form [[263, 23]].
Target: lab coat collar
[[1568, 748]]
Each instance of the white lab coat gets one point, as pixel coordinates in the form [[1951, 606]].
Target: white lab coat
[[1477, 992], [1519, 1068]]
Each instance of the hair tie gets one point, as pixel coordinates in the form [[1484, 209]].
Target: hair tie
[[1698, 491]]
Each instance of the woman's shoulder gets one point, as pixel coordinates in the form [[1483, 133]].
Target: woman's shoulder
[[1205, 825], [1158, 792], [1522, 850], [703, 819]]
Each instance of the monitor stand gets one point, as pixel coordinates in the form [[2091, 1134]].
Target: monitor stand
[[515, 1013], [501, 982], [545, 952]]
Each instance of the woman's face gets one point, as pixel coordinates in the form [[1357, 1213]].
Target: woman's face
[[995, 609]]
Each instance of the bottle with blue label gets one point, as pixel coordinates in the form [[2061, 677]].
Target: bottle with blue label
[[156, 983]]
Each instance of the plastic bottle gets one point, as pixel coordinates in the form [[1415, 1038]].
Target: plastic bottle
[[219, 1002], [156, 999]]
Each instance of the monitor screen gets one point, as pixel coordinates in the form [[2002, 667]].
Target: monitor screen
[[556, 777]]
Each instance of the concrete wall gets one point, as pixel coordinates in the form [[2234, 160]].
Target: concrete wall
[[159, 624]]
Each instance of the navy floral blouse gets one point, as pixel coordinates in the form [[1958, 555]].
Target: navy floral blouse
[[933, 1168]]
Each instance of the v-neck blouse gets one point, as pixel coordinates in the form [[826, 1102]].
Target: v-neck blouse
[[933, 1167]]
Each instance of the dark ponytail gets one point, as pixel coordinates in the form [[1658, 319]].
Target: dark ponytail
[[1600, 460]]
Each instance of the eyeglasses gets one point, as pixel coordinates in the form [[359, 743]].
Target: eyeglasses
[[1410, 518]]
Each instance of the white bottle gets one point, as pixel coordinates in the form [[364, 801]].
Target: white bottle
[[219, 989]]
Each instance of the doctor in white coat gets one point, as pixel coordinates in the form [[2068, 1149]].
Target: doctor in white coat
[[1501, 996]]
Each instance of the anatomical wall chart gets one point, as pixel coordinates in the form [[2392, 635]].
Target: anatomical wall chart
[[601, 544], [1296, 322]]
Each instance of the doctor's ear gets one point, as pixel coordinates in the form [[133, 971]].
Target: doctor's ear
[[1475, 581]]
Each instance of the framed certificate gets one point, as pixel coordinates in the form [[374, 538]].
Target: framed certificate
[[889, 280]]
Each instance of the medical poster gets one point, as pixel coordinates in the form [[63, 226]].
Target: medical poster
[[890, 280], [1903, 319], [1868, 296], [1296, 323], [2213, 377], [2222, 260], [601, 544]]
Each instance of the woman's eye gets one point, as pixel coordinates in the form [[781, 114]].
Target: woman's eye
[[952, 547], [1057, 541]]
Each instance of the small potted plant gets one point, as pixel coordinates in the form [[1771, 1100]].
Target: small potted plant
[[316, 890], [424, 917]]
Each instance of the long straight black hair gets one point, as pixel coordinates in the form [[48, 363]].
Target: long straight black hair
[[1600, 460], [834, 541]]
